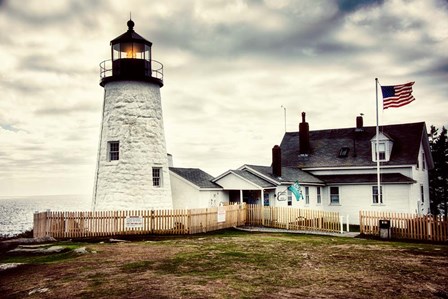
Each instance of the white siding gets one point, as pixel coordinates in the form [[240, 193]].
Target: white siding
[[421, 176], [188, 196], [354, 198]]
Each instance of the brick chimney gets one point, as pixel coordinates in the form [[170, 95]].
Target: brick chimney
[[359, 123], [277, 161], [304, 136]]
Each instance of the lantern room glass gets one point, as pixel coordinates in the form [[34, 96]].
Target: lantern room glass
[[131, 51]]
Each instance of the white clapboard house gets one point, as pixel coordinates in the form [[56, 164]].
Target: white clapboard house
[[336, 170]]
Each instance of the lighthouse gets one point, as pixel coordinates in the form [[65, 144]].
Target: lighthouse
[[132, 165]]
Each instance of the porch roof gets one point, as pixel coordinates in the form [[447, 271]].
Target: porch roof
[[368, 178]]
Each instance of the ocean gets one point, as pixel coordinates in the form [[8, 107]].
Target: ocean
[[16, 213]]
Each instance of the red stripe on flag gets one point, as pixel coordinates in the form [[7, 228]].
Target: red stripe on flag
[[403, 96]]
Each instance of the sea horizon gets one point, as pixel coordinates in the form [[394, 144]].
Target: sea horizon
[[16, 212]]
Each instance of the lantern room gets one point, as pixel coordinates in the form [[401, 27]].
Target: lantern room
[[131, 60]]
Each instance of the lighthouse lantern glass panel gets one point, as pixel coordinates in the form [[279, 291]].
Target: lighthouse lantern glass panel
[[147, 53], [130, 50]]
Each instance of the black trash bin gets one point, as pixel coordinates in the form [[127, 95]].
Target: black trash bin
[[384, 226]]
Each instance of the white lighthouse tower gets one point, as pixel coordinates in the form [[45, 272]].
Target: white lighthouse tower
[[132, 169]]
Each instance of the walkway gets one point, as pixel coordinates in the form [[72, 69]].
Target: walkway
[[262, 229]]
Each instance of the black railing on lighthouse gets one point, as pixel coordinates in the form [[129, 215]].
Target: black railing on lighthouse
[[156, 69]]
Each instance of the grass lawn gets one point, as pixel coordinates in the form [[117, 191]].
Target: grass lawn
[[234, 264]]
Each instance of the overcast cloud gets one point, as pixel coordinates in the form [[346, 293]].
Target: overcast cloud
[[229, 66]]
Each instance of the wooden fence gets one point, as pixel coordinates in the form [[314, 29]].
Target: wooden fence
[[405, 226], [293, 218], [110, 223]]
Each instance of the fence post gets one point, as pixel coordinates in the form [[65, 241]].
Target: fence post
[[341, 219], [348, 224], [361, 230], [189, 221], [47, 223], [152, 221]]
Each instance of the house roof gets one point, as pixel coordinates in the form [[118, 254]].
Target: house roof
[[289, 174], [196, 176], [386, 178], [325, 146], [253, 178]]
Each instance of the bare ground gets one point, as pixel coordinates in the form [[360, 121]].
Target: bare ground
[[236, 265]]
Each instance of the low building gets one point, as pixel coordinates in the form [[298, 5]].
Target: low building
[[193, 188], [336, 170]]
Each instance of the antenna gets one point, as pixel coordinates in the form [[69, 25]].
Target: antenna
[[130, 15], [284, 112]]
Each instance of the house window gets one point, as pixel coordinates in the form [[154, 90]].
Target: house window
[[266, 199], [334, 195], [113, 150], [307, 195], [157, 177], [319, 196], [289, 198], [343, 152], [375, 195], [423, 161], [381, 151], [422, 192]]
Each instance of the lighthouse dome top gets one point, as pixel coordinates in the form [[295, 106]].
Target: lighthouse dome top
[[131, 59], [130, 36]]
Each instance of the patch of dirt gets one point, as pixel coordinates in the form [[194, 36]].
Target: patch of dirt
[[245, 265]]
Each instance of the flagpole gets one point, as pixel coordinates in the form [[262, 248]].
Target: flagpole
[[377, 146]]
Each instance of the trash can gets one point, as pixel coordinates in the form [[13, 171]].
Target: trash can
[[384, 229]]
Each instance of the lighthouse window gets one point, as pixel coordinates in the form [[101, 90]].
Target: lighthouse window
[[114, 150], [157, 177]]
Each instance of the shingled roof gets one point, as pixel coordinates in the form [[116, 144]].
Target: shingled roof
[[289, 174], [386, 178], [196, 176], [325, 146]]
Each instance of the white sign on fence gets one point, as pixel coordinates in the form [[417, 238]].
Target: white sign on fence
[[221, 214], [133, 222]]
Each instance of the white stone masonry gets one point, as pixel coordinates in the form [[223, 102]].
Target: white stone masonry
[[132, 115]]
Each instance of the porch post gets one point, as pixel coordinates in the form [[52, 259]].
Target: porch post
[[241, 196]]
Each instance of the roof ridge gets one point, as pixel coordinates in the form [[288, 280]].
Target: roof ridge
[[364, 127]]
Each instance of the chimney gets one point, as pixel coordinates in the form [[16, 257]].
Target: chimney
[[170, 160], [277, 161], [304, 136], [359, 123]]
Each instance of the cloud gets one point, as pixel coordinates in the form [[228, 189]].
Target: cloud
[[228, 65]]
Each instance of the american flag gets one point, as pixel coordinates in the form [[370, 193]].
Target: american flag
[[397, 95]]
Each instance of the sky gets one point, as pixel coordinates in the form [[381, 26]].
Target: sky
[[232, 70]]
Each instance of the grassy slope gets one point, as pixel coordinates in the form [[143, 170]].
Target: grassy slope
[[233, 264]]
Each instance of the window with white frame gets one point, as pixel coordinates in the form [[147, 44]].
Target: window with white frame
[[289, 198], [381, 151], [113, 151], [157, 177], [307, 195], [375, 198], [423, 161], [319, 196], [383, 148], [334, 195]]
